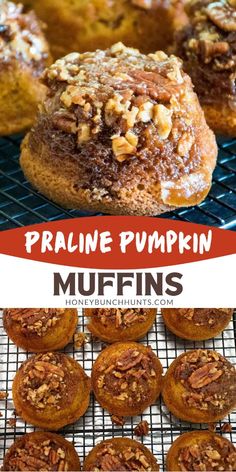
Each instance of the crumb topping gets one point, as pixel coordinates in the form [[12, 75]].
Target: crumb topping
[[215, 454], [45, 379], [205, 316], [120, 317], [34, 321], [127, 377], [208, 47], [20, 35], [209, 380], [131, 114], [34, 455], [110, 458]]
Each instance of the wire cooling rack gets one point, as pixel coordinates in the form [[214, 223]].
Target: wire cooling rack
[[96, 425], [20, 205]]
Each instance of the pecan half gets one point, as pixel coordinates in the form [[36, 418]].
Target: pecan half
[[205, 375], [222, 15]]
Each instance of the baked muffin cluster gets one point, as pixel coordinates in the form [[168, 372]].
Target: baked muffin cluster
[[51, 390], [207, 47], [134, 135], [24, 54]]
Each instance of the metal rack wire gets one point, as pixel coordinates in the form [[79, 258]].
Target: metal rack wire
[[164, 428], [20, 205]]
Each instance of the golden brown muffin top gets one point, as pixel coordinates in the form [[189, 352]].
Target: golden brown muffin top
[[121, 317], [209, 380], [37, 452], [208, 46], [135, 109], [109, 457], [45, 380], [127, 376], [34, 321], [213, 454], [20, 35], [204, 316]]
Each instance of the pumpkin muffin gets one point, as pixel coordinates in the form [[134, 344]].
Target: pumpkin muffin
[[40, 329], [207, 47], [129, 136], [197, 324], [51, 390], [200, 387], [201, 450], [126, 378], [41, 451], [120, 454], [120, 324], [90, 24], [24, 54]]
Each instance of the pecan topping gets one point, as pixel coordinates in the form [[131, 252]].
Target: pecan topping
[[142, 429], [222, 15], [80, 339], [3, 395], [34, 456], [129, 458], [20, 34], [205, 316], [118, 420], [211, 455], [205, 375], [44, 380], [209, 380], [128, 376], [34, 321], [120, 317]]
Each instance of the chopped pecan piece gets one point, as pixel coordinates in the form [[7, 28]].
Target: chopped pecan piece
[[118, 420], [142, 429]]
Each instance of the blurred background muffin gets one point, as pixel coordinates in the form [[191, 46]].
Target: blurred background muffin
[[85, 25], [24, 54], [208, 49]]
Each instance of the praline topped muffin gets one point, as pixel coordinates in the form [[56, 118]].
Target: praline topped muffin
[[207, 47], [41, 451], [24, 54], [85, 25], [129, 136], [40, 329]]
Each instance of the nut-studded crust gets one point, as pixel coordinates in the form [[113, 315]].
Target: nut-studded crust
[[210, 449], [40, 330], [126, 378], [200, 386], [51, 390], [196, 324], [118, 324], [146, 24], [24, 54], [41, 451], [207, 48], [129, 136], [114, 453]]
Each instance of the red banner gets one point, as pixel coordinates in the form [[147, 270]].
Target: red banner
[[117, 242]]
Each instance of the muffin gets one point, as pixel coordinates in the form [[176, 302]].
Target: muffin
[[201, 450], [200, 387], [129, 136], [40, 329], [120, 324], [126, 378], [197, 324], [51, 390], [41, 451], [91, 24], [120, 454], [207, 47], [24, 54]]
